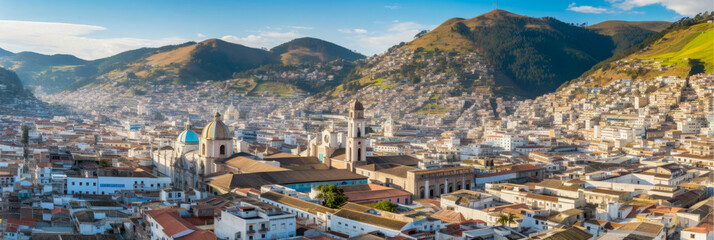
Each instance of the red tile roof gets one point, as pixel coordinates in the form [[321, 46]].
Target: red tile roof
[[59, 210]]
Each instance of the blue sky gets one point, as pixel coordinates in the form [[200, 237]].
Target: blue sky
[[94, 29]]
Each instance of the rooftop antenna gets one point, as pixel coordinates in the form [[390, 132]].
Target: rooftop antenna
[[495, 4]]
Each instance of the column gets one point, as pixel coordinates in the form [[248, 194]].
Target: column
[[463, 182], [426, 189], [446, 185]]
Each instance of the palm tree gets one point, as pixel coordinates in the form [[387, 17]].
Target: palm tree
[[506, 219]]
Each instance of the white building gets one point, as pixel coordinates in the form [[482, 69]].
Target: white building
[[251, 222], [110, 184]]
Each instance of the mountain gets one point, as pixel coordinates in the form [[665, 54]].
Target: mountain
[[10, 86], [312, 50], [5, 53], [628, 34], [682, 49], [212, 59], [535, 55], [499, 52], [48, 71]]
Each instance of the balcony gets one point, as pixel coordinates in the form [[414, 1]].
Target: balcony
[[263, 230], [250, 231]]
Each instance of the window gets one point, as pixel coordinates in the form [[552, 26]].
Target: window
[[72, 183], [80, 183], [223, 149], [94, 184]]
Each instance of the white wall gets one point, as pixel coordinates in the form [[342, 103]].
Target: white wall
[[109, 185]]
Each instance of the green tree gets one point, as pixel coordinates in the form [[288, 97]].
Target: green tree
[[333, 196], [422, 33], [696, 67], [104, 163], [25, 139], [385, 206], [651, 89], [506, 219]]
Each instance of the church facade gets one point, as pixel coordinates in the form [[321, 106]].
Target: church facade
[[193, 156], [336, 151]]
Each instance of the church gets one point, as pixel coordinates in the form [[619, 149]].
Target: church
[[351, 152], [332, 151], [207, 161], [193, 156]]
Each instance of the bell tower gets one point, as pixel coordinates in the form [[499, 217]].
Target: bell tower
[[356, 146]]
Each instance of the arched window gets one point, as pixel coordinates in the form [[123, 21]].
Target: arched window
[[203, 149], [359, 154], [223, 149]]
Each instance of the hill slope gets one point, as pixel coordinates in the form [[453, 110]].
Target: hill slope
[[537, 54], [627, 34], [685, 48], [10, 86], [312, 50], [5, 53], [211, 59]]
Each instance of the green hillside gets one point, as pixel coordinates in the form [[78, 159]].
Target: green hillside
[[312, 50], [696, 42], [537, 54], [215, 59], [684, 48], [628, 34], [10, 86]]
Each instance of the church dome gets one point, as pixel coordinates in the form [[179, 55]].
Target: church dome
[[188, 136], [356, 105], [216, 130]]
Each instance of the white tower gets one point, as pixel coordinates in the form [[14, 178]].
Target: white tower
[[356, 146]]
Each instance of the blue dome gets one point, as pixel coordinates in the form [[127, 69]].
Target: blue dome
[[188, 137]]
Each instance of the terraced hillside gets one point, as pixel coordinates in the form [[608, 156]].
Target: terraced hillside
[[679, 52]]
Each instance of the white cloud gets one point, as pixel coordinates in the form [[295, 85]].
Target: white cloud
[[586, 9], [682, 7], [200, 35], [301, 27], [68, 38], [392, 7], [398, 32], [264, 39], [356, 30]]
